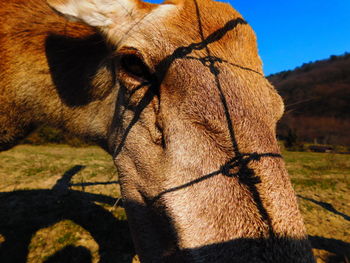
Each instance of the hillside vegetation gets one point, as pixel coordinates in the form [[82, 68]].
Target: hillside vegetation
[[317, 99]]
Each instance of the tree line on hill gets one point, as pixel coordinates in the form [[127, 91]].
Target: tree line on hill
[[317, 106], [317, 101]]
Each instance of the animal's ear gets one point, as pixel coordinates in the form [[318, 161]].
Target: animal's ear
[[97, 13]]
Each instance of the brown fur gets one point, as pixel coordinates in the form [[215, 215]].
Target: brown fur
[[193, 190], [53, 72]]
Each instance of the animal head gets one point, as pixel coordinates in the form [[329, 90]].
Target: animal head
[[193, 54], [191, 128]]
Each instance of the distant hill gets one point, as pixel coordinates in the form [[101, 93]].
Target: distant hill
[[317, 99]]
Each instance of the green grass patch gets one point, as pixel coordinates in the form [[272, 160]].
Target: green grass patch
[[323, 184], [67, 238], [33, 171]]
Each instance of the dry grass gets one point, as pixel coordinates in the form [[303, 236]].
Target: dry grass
[[57, 205], [322, 182]]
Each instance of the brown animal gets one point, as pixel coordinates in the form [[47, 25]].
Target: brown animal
[[51, 72], [180, 99]]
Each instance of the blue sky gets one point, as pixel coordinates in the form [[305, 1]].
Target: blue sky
[[291, 33]]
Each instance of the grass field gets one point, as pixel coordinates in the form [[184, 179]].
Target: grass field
[[60, 204]]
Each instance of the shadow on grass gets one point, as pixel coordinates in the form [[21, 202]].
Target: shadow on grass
[[71, 254], [326, 206], [25, 212], [340, 250]]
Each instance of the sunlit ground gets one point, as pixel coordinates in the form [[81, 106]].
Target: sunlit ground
[[58, 203]]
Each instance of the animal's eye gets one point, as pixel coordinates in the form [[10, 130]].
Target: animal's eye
[[135, 67]]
